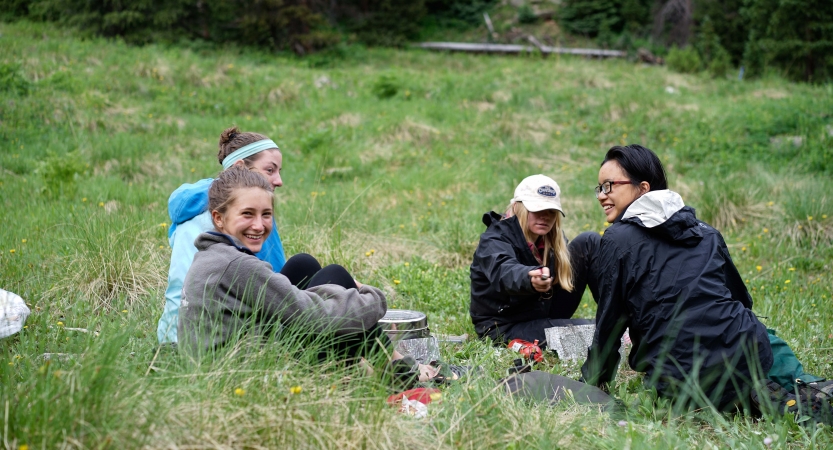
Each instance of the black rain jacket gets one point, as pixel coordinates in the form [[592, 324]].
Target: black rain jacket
[[669, 277], [501, 292]]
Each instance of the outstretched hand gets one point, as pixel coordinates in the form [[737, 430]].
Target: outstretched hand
[[541, 280]]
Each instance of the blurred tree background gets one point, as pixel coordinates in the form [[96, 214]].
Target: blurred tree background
[[791, 37]]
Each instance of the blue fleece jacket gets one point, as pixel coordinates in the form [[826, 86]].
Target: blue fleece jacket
[[188, 210]]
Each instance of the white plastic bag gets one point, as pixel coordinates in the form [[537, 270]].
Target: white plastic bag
[[13, 313]]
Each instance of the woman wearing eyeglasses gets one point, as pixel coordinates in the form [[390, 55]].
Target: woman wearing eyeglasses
[[525, 277], [669, 278]]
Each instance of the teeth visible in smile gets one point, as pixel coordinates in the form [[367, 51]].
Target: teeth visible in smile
[[253, 237]]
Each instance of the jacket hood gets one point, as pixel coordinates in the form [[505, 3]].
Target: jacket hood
[[664, 213], [188, 201]]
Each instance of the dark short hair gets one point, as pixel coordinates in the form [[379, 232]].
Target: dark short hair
[[640, 164]]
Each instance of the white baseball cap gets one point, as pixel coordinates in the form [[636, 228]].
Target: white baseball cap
[[539, 192]]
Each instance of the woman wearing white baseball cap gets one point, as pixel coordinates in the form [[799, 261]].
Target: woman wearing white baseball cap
[[525, 277]]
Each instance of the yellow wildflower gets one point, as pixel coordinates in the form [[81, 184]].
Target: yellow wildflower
[[193, 170], [407, 264], [12, 251], [84, 199], [366, 253], [758, 268], [809, 218], [23, 241], [791, 269], [766, 230], [60, 324], [787, 282], [396, 281], [295, 390], [101, 204], [239, 392]]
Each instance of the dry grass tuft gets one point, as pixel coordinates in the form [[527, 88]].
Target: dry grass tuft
[[112, 262]]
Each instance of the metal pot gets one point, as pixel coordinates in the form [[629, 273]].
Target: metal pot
[[401, 324]]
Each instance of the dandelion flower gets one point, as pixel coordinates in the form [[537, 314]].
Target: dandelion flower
[[193, 170], [396, 281], [23, 241], [366, 253], [407, 264], [101, 204], [12, 251], [766, 230], [824, 216], [770, 203], [809, 218], [295, 390], [791, 269], [23, 447], [239, 392], [60, 324], [84, 199], [124, 310], [372, 251], [401, 226], [758, 268], [743, 249], [787, 282], [163, 224]]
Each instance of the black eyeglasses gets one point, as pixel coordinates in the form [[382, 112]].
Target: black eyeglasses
[[607, 186]]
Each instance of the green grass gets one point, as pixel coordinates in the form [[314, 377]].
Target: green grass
[[393, 188]]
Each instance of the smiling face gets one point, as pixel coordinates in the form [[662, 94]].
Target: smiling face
[[269, 164], [248, 218], [541, 222], [621, 195]]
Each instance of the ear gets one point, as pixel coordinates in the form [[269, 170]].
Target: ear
[[644, 188], [217, 218], [239, 163]]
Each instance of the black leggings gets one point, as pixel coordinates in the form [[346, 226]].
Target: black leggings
[[304, 271], [583, 250]]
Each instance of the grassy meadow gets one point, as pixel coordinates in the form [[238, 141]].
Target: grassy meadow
[[390, 159]]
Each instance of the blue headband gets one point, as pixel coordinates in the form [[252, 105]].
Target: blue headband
[[248, 150]]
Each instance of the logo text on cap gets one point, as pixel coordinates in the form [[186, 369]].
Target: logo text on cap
[[547, 191]]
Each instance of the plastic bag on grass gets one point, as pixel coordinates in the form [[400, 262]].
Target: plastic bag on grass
[[13, 313]]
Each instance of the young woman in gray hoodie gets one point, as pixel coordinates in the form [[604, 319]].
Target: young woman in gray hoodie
[[229, 292]]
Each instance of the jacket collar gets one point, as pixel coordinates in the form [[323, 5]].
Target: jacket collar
[[655, 207], [664, 214], [210, 238]]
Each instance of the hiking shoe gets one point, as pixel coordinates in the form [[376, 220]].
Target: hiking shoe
[[771, 397]]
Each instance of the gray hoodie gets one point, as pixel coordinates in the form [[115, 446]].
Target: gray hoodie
[[228, 290]]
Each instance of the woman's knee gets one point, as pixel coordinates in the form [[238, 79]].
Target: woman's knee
[[333, 274]]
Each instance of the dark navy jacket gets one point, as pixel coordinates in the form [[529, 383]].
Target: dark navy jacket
[[501, 292], [669, 278]]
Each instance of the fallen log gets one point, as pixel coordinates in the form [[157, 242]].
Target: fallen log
[[512, 49]]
